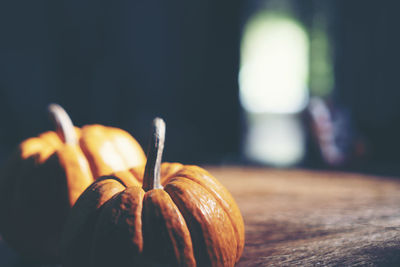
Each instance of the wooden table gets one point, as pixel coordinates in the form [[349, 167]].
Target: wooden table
[[306, 218]]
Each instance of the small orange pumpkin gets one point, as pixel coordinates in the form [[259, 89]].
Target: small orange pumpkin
[[180, 216], [47, 174]]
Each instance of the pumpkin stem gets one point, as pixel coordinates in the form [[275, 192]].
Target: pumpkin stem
[[64, 125], [152, 172]]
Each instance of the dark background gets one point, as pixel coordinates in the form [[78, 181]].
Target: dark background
[[121, 63]]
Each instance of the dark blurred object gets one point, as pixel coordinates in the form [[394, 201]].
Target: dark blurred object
[[367, 82], [332, 132]]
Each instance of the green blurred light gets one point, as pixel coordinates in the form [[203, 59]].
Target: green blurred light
[[321, 71]]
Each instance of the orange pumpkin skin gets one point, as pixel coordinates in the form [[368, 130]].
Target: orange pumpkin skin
[[192, 221], [46, 175]]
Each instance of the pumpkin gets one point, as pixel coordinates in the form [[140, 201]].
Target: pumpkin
[[172, 215], [46, 175]]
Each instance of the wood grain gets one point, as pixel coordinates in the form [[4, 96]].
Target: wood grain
[[304, 218], [308, 218]]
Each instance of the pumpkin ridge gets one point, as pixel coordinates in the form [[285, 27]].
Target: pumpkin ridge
[[97, 164], [117, 150], [195, 217], [168, 234], [81, 221], [104, 155], [77, 171], [198, 243], [118, 237], [202, 173]]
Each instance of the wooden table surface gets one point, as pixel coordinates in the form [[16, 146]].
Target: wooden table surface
[[304, 218], [307, 218]]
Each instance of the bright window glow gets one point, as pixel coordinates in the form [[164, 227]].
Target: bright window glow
[[274, 65], [274, 139]]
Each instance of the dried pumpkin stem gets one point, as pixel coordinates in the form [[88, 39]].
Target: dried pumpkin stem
[[152, 172], [64, 125]]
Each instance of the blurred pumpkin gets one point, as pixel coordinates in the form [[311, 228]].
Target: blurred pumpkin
[[176, 215], [45, 176]]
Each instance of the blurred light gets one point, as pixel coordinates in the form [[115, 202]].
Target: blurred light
[[274, 139], [274, 65], [273, 81]]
